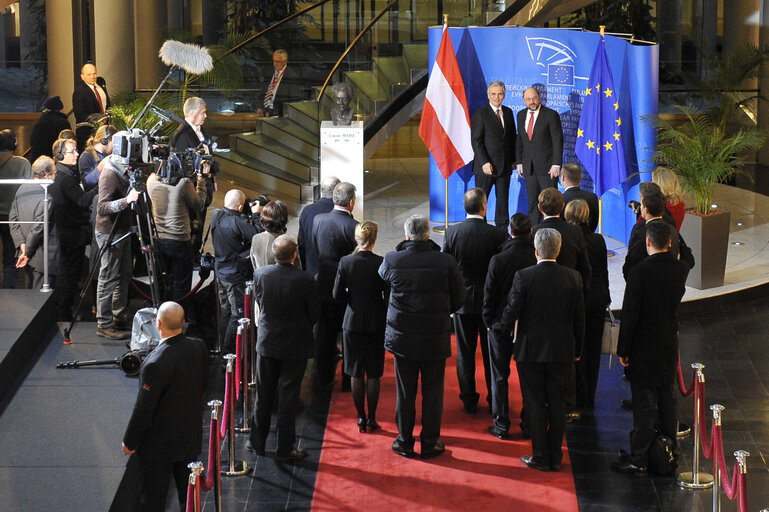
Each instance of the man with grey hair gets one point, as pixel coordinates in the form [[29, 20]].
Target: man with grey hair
[[333, 235], [282, 87], [492, 135], [425, 288], [545, 344], [308, 254]]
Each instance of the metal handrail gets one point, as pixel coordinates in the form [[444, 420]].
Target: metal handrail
[[352, 43], [45, 184]]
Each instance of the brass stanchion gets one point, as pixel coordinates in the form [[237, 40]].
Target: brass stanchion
[[236, 467], [695, 479], [716, 408], [243, 329], [216, 470], [249, 313], [195, 469]]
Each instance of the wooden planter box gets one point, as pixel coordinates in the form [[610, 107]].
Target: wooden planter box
[[708, 238]]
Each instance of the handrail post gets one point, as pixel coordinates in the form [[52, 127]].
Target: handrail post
[[695, 479], [717, 409], [46, 199]]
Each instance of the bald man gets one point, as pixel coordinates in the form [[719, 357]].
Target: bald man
[[166, 427], [89, 97], [231, 234]]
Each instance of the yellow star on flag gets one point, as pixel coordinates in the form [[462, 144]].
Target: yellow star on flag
[[618, 121], [587, 91], [580, 133], [590, 144], [616, 106], [616, 136], [607, 146], [597, 87], [598, 150], [608, 92]]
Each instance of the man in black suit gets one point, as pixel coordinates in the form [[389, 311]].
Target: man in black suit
[[493, 137], [333, 234], [89, 97], [548, 304], [648, 344], [516, 254], [288, 304], [308, 254], [472, 243], [653, 210], [282, 87], [166, 426], [571, 177], [538, 149]]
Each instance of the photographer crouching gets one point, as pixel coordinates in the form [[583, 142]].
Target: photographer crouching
[[178, 193]]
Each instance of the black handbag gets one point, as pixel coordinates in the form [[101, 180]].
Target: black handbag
[[662, 458]]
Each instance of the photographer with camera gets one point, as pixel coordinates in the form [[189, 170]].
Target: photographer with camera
[[231, 232], [176, 196], [116, 266]]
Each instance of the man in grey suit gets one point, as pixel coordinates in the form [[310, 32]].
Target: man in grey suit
[[547, 302]]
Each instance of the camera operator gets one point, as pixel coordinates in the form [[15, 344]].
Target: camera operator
[[231, 234], [191, 135], [116, 269], [175, 198]]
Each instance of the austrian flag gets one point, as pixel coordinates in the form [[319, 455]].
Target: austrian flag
[[445, 125]]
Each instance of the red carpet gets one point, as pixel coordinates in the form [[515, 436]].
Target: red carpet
[[477, 472]]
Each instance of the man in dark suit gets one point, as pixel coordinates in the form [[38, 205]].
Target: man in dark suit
[[648, 344], [425, 288], [472, 243], [548, 304], [89, 97], [493, 138], [308, 254], [282, 87], [516, 254], [166, 426], [333, 234], [288, 304], [571, 177], [538, 149], [653, 210]]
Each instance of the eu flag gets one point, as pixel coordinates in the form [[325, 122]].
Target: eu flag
[[599, 135]]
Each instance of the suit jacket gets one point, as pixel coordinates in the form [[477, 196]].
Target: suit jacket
[[289, 89], [648, 334], [359, 285], [572, 193], [288, 304], [28, 206], [545, 148], [636, 246], [185, 137], [333, 234], [491, 142], [573, 249], [598, 296], [167, 421], [473, 243], [84, 102], [516, 254], [308, 254], [548, 302]]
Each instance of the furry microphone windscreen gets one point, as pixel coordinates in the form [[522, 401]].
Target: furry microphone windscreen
[[190, 57]]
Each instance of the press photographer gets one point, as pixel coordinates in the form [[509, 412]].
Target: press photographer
[[177, 192]]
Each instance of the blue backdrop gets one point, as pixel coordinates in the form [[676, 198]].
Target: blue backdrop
[[560, 60]]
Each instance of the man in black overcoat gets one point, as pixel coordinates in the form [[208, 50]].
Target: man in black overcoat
[[571, 177], [308, 254]]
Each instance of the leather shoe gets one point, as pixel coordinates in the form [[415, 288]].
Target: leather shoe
[[111, 333], [498, 433], [528, 460], [625, 466], [437, 449], [250, 447], [555, 468], [294, 454], [362, 423], [372, 425], [401, 449]]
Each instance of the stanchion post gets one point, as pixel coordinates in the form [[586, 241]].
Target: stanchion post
[[717, 409], [216, 471], [249, 313], [236, 467], [244, 329], [195, 469], [695, 479], [742, 456]]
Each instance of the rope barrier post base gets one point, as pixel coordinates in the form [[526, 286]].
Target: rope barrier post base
[[699, 480], [684, 430], [696, 479]]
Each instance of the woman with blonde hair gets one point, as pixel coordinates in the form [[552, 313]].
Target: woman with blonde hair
[[577, 212], [359, 285], [96, 149], [671, 189]]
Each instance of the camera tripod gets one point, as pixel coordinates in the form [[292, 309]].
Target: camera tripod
[[144, 228]]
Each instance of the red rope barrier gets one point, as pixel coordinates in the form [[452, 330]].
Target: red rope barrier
[[213, 449], [247, 307], [685, 391], [238, 356], [179, 300], [227, 405], [707, 446]]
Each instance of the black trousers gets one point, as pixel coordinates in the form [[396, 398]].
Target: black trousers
[[283, 376], [652, 407], [231, 300], [326, 331], [407, 372], [176, 257], [536, 183], [71, 261], [9, 255], [501, 186], [469, 329], [543, 386], [155, 477], [587, 367], [500, 353]]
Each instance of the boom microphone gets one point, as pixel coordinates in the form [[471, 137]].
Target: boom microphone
[[190, 57]]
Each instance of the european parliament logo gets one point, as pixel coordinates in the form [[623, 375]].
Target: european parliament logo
[[560, 74]]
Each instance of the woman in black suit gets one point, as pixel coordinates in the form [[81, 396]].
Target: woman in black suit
[[577, 212], [359, 285]]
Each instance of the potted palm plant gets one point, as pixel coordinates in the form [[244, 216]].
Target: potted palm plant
[[702, 153]]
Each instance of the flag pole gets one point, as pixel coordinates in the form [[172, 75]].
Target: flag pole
[[445, 227]]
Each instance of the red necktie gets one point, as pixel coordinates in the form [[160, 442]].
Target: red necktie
[[98, 98], [530, 128], [271, 89], [499, 117]]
